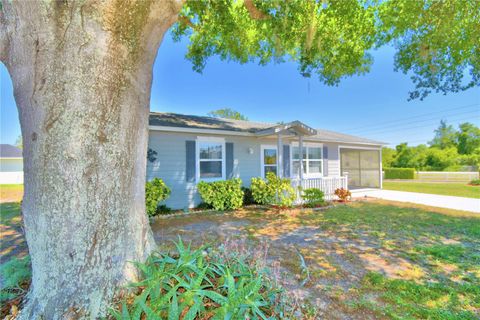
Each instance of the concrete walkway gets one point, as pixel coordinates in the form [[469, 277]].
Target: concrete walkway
[[434, 200]]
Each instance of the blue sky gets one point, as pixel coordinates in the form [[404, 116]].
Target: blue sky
[[374, 105]]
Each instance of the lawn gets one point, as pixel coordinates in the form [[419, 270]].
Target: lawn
[[446, 189], [365, 260], [11, 192]]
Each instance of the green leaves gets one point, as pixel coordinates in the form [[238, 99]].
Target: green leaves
[[222, 195], [155, 191], [273, 190], [330, 39], [192, 285], [436, 41]]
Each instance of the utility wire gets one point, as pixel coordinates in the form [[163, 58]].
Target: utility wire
[[436, 119], [416, 116]]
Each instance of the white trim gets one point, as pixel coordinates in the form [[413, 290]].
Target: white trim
[[306, 145], [11, 158], [199, 140], [379, 149], [262, 164]]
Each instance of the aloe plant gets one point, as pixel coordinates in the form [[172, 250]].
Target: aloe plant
[[194, 284]]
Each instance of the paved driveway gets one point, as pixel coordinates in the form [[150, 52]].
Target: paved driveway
[[434, 200]]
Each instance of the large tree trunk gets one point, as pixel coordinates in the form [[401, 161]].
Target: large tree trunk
[[82, 76]]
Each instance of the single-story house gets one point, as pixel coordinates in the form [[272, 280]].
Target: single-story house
[[185, 149], [11, 164]]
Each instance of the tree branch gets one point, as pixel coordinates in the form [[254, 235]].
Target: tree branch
[[255, 14]]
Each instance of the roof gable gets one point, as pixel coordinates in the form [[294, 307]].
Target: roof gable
[[175, 120], [9, 151]]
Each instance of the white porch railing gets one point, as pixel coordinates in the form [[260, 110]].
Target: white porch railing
[[327, 184]]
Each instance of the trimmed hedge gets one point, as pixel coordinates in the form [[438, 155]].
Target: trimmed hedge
[[223, 194], [400, 173], [156, 191]]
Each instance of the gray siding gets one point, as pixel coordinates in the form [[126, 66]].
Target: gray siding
[[171, 162]]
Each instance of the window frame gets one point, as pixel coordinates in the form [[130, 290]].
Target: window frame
[[262, 158], [198, 142], [307, 174]]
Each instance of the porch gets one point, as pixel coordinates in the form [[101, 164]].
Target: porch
[[327, 184]]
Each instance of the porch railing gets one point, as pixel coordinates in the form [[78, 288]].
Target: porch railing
[[327, 184]]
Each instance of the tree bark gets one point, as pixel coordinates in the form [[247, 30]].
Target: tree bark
[[82, 75]]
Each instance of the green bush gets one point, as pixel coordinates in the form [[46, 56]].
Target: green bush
[[313, 197], [222, 195], [273, 190], [248, 197], [475, 182], [16, 275], [156, 191], [400, 173], [202, 284]]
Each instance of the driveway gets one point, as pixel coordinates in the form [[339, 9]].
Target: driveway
[[434, 200]]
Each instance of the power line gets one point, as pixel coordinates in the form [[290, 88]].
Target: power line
[[436, 119], [416, 116], [415, 127]]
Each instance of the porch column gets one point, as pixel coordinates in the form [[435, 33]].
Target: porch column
[[279, 156], [300, 154]]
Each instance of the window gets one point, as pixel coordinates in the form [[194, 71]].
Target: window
[[312, 160], [269, 160], [210, 158]]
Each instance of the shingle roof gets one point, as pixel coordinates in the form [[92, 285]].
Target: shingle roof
[[9, 151], [176, 120]]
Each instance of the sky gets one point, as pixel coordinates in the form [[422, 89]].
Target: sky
[[374, 105]]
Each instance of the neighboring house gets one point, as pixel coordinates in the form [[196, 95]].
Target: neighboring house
[[11, 164], [185, 149]]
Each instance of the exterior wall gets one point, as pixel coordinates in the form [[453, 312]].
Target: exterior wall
[[11, 165], [11, 171], [170, 164]]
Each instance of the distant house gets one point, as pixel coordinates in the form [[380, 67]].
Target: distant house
[[186, 149], [11, 164]]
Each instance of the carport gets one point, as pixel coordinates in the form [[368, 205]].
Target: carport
[[362, 165]]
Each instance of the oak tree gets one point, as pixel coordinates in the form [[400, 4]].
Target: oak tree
[[82, 73]]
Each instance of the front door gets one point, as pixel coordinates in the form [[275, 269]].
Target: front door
[[362, 167]]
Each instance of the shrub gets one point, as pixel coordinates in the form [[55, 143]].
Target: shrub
[[248, 197], [156, 191], [222, 195], [16, 275], [313, 197], [273, 190], [203, 206], [343, 194], [475, 182], [399, 173], [163, 209], [201, 284]]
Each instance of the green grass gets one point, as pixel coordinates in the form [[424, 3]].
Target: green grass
[[442, 249], [11, 192], [447, 189]]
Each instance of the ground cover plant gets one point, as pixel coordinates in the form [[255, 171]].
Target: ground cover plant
[[203, 283], [446, 189]]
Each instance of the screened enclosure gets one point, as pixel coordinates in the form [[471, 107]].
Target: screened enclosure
[[362, 167]]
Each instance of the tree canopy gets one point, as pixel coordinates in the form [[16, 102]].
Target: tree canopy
[[450, 149], [436, 41], [227, 113]]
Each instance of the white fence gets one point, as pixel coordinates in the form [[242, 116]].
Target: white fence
[[446, 176], [327, 184], [15, 177]]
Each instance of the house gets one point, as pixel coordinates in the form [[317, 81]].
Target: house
[[185, 149], [11, 164]]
